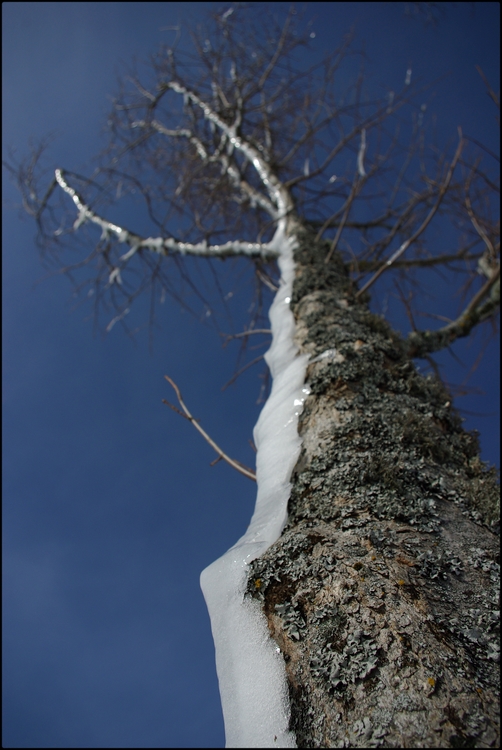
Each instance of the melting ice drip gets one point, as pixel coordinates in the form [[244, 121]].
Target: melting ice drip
[[251, 670]]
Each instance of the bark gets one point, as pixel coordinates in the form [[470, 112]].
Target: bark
[[382, 592]]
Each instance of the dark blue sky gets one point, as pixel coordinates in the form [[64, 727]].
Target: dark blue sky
[[111, 509]]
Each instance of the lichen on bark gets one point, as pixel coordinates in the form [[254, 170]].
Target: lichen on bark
[[382, 592]]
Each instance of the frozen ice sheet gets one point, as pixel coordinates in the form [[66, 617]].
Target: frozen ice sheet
[[251, 670]]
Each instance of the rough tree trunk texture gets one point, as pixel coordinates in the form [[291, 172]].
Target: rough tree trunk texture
[[382, 592]]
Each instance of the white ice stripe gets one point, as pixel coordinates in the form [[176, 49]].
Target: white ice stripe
[[253, 688], [251, 672]]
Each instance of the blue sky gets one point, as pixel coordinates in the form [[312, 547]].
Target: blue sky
[[111, 508]]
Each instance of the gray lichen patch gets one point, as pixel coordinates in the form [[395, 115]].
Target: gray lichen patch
[[375, 432], [367, 632]]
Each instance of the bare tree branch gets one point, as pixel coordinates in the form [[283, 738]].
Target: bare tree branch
[[491, 92], [242, 369], [221, 454], [237, 140], [423, 342]]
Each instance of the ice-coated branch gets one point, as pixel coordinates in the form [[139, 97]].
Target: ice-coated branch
[[179, 132], [221, 454], [278, 193], [161, 245], [219, 156]]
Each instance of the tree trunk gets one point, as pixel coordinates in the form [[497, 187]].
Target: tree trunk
[[382, 591]]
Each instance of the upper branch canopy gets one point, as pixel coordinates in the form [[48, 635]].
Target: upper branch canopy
[[227, 142]]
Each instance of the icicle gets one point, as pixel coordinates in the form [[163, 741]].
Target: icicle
[[134, 249], [306, 167], [80, 219], [407, 80]]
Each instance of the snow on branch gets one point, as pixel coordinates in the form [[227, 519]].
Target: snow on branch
[[278, 193], [161, 245], [179, 132], [220, 155]]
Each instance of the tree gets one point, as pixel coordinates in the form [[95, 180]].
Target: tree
[[359, 588]]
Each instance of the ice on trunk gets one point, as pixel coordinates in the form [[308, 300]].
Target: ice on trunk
[[251, 671]]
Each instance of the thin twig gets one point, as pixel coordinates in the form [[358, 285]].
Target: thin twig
[[221, 454], [491, 92], [365, 266], [229, 336], [356, 187], [239, 372], [477, 226], [425, 223], [277, 52]]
